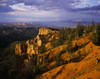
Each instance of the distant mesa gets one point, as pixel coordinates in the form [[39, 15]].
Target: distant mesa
[[78, 20]]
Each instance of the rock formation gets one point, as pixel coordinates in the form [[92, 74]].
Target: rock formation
[[45, 31], [30, 46], [72, 66], [24, 51]]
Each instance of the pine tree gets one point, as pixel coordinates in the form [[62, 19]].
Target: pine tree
[[79, 30], [87, 30], [92, 25], [73, 55], [96, 36], [69, 46], [76, 47], [63, 36], [53, 42], [79, 53], [43, 49], [91, 48], [37, 65], [58, 58], [43, 60]]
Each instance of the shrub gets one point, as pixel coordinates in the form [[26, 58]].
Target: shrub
[[69, 46], [54, 42], [73, 77], [43, 49], [58, 58], [73, 55], [43, 62], [96, 36], [79, 53]]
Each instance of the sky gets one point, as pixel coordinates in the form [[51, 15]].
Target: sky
[[49, 10]]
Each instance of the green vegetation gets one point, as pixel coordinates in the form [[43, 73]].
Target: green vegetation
[[92, 26], [58, 57], [65, 37], [96, 35], [69, 46], [87, 29], [43, 62], [43, 48], [9, 35], [37, 63], [79, 30], [54, 42], [73, 77], [79, 74], [79, 53], [8, 62], [69, 34], [91, 48], [32, 69], [73, 55]]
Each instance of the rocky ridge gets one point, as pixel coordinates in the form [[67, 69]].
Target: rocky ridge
[[82, 67]]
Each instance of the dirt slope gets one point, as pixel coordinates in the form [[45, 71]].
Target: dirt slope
[[78, 69]]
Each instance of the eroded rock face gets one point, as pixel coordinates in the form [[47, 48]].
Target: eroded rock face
[[29, 47], [44, 35], [24, 51], [21, 55], [20, 49], [39, 41], [45, 31]]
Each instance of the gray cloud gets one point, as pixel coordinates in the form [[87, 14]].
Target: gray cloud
[[5, 9], [42, 4], [66, 8]]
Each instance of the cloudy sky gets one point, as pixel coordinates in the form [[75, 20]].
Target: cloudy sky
[[49, 10]]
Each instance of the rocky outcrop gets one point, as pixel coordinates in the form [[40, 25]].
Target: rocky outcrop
[[74, 66], [30, 46], [25, 48], [24, 51], [45, 31]]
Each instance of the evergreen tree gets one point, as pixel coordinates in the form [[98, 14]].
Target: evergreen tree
[[43, 49], [92, 25], [69, 45], [79, 53], [73, 55], [37, 65], [43, 60], [76, 47], [79, 30], [63, 36], [96, 36], [87, 30], [58, 58], [60, 40], [91, 48], [53, 42]]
